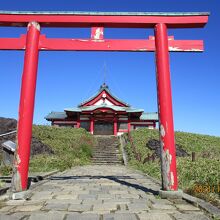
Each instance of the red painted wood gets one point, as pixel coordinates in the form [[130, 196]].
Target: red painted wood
[[117, 45], [115, 126], [143, 125], [97, 33], [116, 112], [114, 101], [50, 44], [108, 96], [129, 125], [78, 121], [26, 108], [129, 21], [92, 125], [169, 172], [13, 43]]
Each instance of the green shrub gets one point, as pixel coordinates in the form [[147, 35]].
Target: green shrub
[[205, 171], [71, 147], [5, 170]]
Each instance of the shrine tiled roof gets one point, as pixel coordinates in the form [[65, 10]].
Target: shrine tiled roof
[[63, 115], [56, 115], [149, 116], [106, 88], [76, 109], [94, 107]]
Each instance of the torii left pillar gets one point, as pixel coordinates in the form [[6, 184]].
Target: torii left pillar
[[26, 109]]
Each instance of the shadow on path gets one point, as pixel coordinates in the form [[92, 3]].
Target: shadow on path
[[118, 179]]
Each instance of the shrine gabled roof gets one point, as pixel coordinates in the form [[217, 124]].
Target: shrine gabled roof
[[73, 109], [102, 88], [94, 107], [62, 115]]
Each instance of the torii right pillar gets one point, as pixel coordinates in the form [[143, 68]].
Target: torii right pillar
[[167, 139]]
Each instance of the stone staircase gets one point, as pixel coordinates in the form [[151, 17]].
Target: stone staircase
[[106, 150]]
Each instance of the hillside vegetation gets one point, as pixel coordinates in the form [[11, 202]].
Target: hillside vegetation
[[65, 147], [71, 147], [198, 177]]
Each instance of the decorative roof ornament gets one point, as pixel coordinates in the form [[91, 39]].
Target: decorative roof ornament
[[104, 86]]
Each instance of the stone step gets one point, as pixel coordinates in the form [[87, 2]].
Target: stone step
[[105, 155], [101, 150], [105, 159], [108, 145], [106, 162], [105, 148], [105, 152]]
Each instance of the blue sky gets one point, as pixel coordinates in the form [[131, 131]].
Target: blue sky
[[67, 78]]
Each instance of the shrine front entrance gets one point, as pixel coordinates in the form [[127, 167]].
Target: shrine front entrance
[[103, 128]]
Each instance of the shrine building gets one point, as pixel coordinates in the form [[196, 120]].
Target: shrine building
[[104, 114]]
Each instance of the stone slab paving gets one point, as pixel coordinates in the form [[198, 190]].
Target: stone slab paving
[[99, 192]]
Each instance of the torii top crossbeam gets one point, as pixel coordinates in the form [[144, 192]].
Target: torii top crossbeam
[[98, 21], [105, 19]]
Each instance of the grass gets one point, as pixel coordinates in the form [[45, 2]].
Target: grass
[[72, 147], [200, 178], [5, 170]]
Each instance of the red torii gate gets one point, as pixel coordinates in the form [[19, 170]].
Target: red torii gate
[[33, 42]]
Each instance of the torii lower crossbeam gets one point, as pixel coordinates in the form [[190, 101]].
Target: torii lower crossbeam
[[58, 44]]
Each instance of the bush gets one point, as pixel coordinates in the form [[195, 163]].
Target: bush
[[71, 147], [205, 171], [5, 170]]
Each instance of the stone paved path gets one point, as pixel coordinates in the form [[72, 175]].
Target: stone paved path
[[99, 193]]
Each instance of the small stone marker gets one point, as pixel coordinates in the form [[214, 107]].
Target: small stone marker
[[8, 152]]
